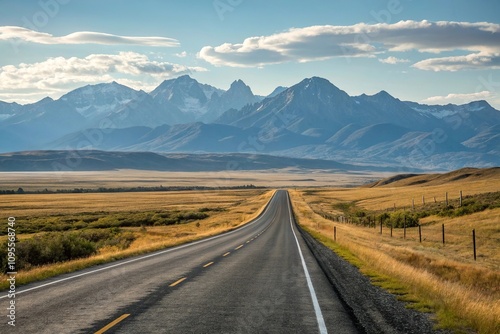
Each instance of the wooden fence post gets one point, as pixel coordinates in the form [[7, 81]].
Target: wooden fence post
[[460, 198], [335, 233], [420, 232], [474, 243], [404, 227], [443, 232], [446, 195]]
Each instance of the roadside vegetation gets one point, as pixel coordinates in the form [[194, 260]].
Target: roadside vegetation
[[443, 279], [122, 226], [103, 220], [410, 217]]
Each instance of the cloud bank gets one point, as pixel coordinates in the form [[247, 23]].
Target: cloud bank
[[56, 74], [315, 43], [14, 33], [458, 98]]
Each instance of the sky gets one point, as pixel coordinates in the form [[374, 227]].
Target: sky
[[427, 51]]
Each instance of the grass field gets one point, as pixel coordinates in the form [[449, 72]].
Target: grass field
[[146, 226], [35, 181], [445, 279]]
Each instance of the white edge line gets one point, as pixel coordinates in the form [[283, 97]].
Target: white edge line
[[317, 308], [147, 256]]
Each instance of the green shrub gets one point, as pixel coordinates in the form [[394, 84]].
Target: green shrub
[[64, 246], [399, 218], [49, 248]]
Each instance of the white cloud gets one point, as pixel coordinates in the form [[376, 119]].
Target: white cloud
[[56, 75], [458, 98], [182, 54], [393, 60], [360, 40], [480, 60], [13, 33]]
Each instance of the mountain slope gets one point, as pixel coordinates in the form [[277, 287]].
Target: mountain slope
[[190, 137], [38, 124]]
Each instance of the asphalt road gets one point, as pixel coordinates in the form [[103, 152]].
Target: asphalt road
[[258, 279]]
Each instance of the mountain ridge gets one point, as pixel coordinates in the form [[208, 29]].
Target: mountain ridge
[[312, 119]]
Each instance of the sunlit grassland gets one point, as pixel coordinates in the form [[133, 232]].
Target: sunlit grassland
[[225, 210], [444, 279]]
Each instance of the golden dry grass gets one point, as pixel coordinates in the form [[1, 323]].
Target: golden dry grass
[[464, 293], [56, 204], [469, 174], [240, 207]]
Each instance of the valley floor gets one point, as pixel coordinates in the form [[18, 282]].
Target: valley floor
[[38, 181]]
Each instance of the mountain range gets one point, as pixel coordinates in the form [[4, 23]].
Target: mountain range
[[312, 119]]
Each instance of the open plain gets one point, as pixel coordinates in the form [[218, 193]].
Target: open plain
[[291, 177], [428, 275]]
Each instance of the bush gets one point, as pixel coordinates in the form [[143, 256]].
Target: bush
[[64, 246], [397, 219], [49, 248]]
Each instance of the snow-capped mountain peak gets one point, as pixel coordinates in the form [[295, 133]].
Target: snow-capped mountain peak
[[96, 100], [185, 93]]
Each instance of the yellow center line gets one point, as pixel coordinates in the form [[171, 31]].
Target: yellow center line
[[227, 254], [208, 264], [111, 324], [238, 247], [248, 241], [178, 282]]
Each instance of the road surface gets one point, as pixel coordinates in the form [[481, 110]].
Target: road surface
[[260, 278]]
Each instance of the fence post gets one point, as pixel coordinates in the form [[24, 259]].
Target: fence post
[[335, 233], [443, 232], [446, 195], [391, 230], [460, 198], [474, 242], [404, 226], [380, 224], [420, 232]]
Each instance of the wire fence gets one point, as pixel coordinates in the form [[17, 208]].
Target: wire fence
[[431, 234]]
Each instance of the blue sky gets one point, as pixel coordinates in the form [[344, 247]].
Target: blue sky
[[435, 52]]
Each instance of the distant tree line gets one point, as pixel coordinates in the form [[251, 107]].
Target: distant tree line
[[124, 189]]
